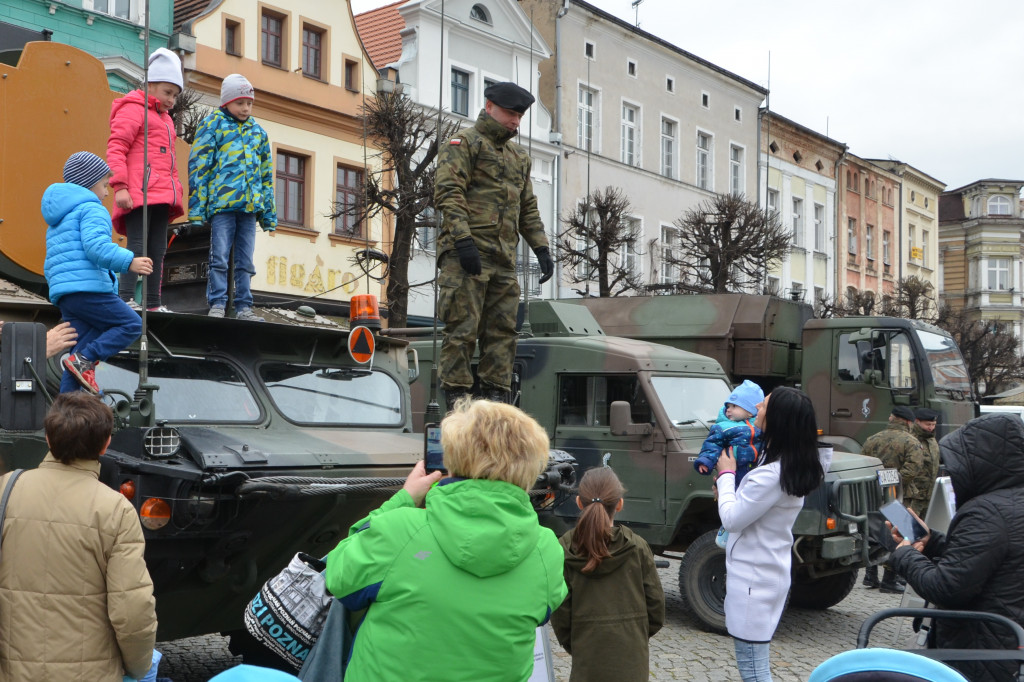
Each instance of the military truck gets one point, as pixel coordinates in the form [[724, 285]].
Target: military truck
[[645, 409], [855, 369]]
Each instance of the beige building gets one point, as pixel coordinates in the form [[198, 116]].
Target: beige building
[[638, 113], [980, 250], [311, 75]]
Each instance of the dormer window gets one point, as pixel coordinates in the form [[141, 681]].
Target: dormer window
[[998, 205], [480, 13]]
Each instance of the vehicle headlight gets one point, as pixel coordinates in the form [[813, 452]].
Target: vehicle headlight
[[161, 442]]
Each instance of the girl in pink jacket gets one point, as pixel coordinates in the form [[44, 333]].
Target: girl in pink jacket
[[125, 150]]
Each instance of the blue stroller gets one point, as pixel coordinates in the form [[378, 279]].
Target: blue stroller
[[865, 664]]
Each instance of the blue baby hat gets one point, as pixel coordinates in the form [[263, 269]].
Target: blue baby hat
[[747, 395]]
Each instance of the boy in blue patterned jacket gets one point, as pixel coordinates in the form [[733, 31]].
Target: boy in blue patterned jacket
[[734, 428], [231, 186]]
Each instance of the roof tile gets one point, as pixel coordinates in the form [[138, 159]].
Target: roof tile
[[380, 30]]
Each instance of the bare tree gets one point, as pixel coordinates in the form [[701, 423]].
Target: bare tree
[[188, 113], [598, 242], [856, 302], [406, 139], [913, 299], [728, 242], [990, 350]]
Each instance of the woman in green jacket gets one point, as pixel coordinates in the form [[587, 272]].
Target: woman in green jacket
[[615, 603], [457, 590]]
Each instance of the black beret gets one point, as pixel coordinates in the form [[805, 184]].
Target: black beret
[[903, 412], [509, 96], [926, 414]]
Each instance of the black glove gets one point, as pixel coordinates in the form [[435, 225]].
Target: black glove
[[469, 256], [547, 266]]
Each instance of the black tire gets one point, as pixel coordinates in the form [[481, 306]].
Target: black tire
[[702, 583], [821, 593]]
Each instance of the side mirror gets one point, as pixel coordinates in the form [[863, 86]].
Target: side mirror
[[22, 376], [621, 421]]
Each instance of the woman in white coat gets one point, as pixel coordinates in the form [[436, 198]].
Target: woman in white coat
[[759, 516]]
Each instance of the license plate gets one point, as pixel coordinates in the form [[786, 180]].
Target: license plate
[[888, 477]]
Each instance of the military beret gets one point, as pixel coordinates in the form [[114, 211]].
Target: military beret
[[926, 414], [903, 412], [509, 96]]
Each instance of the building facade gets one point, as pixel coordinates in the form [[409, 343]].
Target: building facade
[[111, 30], [472, 45], [798, 168], [311, 76], [635, 112], [980, 251]]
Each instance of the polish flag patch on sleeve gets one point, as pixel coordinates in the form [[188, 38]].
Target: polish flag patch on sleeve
[[455, 141]]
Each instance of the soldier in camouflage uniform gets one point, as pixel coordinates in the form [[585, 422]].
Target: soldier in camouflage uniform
[[925, 421], [485, 196], [898, 448]]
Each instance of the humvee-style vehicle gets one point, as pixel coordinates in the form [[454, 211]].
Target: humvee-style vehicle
[[855, 369], [645, 409]]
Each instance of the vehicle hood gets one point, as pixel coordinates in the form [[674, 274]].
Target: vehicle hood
[[486, 528], [63, 197], [984, 455]]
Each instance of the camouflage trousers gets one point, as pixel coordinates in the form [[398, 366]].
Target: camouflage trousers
[[477, 307]]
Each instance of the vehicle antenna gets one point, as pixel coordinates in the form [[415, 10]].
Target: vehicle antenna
[[432, 413], [526, 329]]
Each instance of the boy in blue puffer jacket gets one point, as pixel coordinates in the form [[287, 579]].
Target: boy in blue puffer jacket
[[734, 428], [80, 264]]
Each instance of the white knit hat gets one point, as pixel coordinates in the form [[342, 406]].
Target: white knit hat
[[165, 67], [235, 86], [85, 169]]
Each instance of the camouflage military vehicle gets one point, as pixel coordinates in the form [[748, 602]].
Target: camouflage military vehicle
[[646, 408], [854, 368]]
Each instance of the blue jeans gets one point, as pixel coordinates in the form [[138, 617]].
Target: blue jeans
[[105, 326], [227, 229], [752, 661]]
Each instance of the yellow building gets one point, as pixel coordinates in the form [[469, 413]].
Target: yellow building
[[311, 76]]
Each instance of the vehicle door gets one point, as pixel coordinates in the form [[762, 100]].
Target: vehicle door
[[582, 429]]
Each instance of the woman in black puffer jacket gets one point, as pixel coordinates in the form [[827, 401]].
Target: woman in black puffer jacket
[[979, 564]]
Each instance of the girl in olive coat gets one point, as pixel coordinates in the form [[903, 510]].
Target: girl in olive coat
[[615, 601]]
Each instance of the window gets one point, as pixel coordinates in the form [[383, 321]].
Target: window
[[773, 287], [290, 189], [886, 239], [631, 68], [352, 75], [999, 274], [705, 100], [589, 50], [587, 400], [704, 161], [798, 221], [460, 92], [629, 254], [629, 154], [669, 255], [737, 113], [819, 228], [999, 205], [869, 241], [913, 196], [851, 236], [115, 8], [333, 395], [312, 49], [911, 231], [585, 242], [670, 84], [668, 148], [232, 38], [773, 200], [479, 12], [348, 197], [924, 247], [735, 170], [585, 119], [273, 39]]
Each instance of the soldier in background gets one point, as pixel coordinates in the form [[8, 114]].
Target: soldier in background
[[484, 193], [898, 448], [925, 421]]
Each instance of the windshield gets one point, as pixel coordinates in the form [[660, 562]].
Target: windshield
[[191, 389], [947, 366], [691, 400], [330, 395]]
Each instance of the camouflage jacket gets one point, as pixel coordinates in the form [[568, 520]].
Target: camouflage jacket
[[898, 448], [483, 190], [931, 444]]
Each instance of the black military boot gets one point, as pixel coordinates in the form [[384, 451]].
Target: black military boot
[[871, 576], [889, 583], [452, 396], [494, 394]]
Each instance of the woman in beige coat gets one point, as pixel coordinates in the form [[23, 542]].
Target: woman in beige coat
[[76, 600]]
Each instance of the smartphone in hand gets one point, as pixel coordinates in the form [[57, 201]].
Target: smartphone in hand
[[433, 453], [899, 516]]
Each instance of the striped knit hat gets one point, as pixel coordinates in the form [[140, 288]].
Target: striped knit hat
[[85, 169]]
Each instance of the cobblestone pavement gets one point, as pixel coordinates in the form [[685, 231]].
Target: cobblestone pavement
[[681, 651]]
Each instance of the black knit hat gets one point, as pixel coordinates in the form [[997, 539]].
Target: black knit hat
[[509, 96], [85, 169], [926, 414], [903, 412]]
